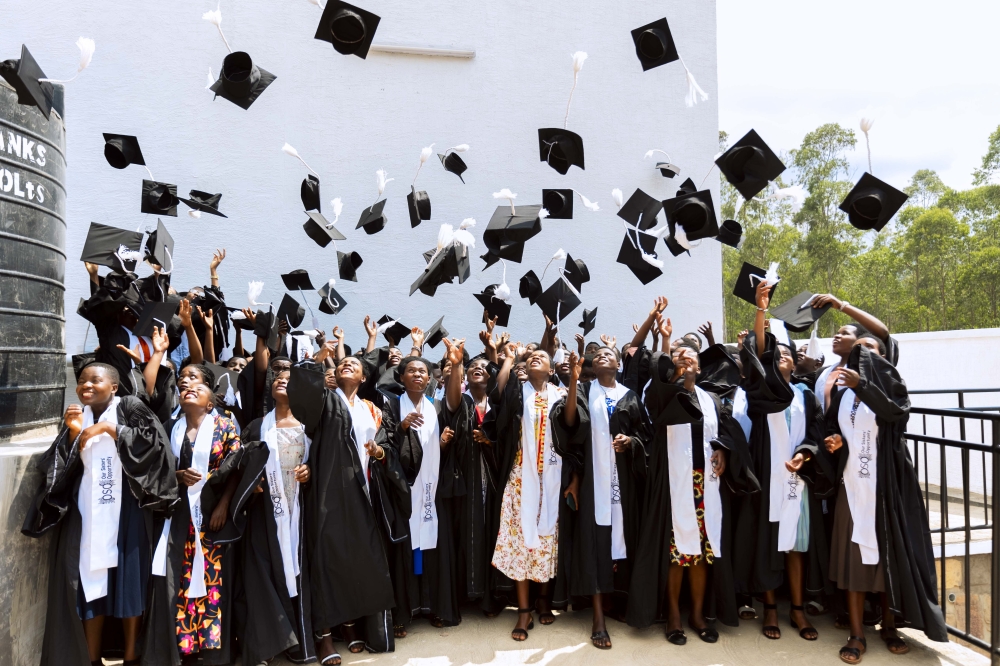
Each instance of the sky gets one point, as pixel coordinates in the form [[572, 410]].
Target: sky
[[925, 72]]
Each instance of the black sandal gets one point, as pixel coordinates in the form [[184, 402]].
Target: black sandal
[[518, 631], [545, 617], [677, 637], [892, 642], [848, 651], [771, 627], [808, 633], [601, 636], [706, 633], [398, 631]]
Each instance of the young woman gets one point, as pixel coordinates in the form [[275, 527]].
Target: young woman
[[537, 481], [108, 474], [606, 525]]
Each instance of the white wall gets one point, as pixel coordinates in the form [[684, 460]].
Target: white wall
[[349, 117]]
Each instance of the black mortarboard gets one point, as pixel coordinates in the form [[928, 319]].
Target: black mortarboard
[[494, 306], [348, 263], [240, 81], [731, 233], [291, 311], [159, 198], [160, 246], [350, 29], [676, 249], [798, 312], [530, 287], [206, 202], [717, 368], [81, 361], [396, 331], [872, 203], [749, 164], [559, 203], [239, 322], [641, 210], [654, 45], [120, 150], [668, 170], [454, 163], [560, 148], [320, 230], [558, 300], [332, 302], [435, 333], [746, 283], [506, 233], [372, 218], [576, 272], [443, 267], [24, 77], [630, 256], [297, 279], [266, 327], [103, 242], [419, 205], [154, 313], [589, 320], [305, 396], [695, 212], [310, 193]]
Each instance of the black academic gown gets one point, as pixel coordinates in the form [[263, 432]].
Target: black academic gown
[[759, 566], [102, 310], [148, 468], [669, 404], [586, 544], [268, 621], [904, 543]]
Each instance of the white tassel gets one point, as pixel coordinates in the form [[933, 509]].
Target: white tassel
[[230, 397], [386, 326], [578, 59], [86, 46], [289, 150], [560, 255], [463, 236], [210, 81], [424, 154], [616, 195], [338, 208], [254, 290], [587, 203], [681, 237], [460, 148], [866, 124], [382, 181], [503, 291], [694, 93], [505, 193], [543, 213], [651, 259], [215, 18], [812, 349], [649, 153], [196, 214], [796, 193], [771, 276], [317, 3], [124, 255], [334, 305], [445, 236]]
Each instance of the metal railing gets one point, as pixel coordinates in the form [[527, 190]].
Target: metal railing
[[956, 454]]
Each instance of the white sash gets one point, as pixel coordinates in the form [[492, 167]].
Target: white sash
[[607, 492], [681, 467], [821, 386], [740, 411], [537, 523], [133, 342], [201, 452], [286, 512], [786, 488], [100, 504], [860, 432], [423, 510], [364, 428]]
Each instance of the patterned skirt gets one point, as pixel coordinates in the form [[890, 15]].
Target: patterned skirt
[[512, 557], [199, 619], [699, 508]]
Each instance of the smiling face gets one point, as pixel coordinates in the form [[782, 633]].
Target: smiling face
[[605, 360], [196, 393], [395, 356], [350, 372], [844, 340], [786, 364], [538, 365], [95, 387], [521, 370], [415, 376], [477, 374]]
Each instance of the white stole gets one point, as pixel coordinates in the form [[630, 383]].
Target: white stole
[[786, 488], [363, 425], [286, 510], [100, 504], [201, 452], [423, 510], [821, 386], [133, 342], [741, 411], [860, 432], [537, 523], [607, 492], [681, 467]]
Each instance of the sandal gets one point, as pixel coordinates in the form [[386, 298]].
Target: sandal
[[545, 617], [328, 660], [437, 622], [815, 608], [519, 634], [895, 643], [747, 612], [852, 652], [774, 629], [808, 633], [601, 640], [677, 637], [399, 631], [706, 633]]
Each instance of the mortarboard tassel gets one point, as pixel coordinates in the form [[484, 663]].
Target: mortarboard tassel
[[196, 214], [381, 181], [124, 255], [812, 348], [866, 124], [215, 18], [616, 196], [694, 92], [578, 59], [505, 193], [502, 291], [334, 304], [587, 203], [87, 47], [338, 208], [560, 255], [460, 148], [424, 154], [795, 192], [254, 290], [317, 3], [463, 236], [289, 150], [211, 79], [771, 276]]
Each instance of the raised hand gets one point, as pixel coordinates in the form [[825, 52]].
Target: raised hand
[[454, 349], [581, 344], [207, 317], [371, 327], [763, 295], [417, 336], [575, 367], [822, 299], [706, 330], [664, 327], [133, 353], [217, 258], [73, 418], [161, 342], [740, 337], [184, 313], [338, 333], [490, 324], [250, 315], [487, 340], [659, 305], [611, 342]]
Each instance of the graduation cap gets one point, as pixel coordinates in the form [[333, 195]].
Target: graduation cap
[[348, 263], [560, 148], [576, 272], [589, 320], [291, 311], [120, 150], [494, 306], [558, 300], [872, 203], [266, 327], [668, 170], [332, 302], [749, 165], [507, 232], [392, 329], [631, 256], [559, 203], [798, 312], [112, 247], [419, 205], [225, 383], [160, 246], [435, 333], [694, 211], [350, 29], [240, 80], [159, 198], [240, 322], [641, 210], [154, 313], [25, 76], [306, 388], [320, 230], [654, 44], [297, 279], [444, 264], [205, 202], [530, 287], [373, 219], [453, 162], [746, 283], [731, 233], [310, 193]]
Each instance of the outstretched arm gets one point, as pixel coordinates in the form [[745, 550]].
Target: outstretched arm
[[575, 367], [217, 258], [453, 392], [869, 321], [659, 305], [763, 297]]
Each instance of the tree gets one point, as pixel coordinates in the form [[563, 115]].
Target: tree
[[991, 161]]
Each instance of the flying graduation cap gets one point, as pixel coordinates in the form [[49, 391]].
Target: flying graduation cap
[[750, 276], [350, 29], [297, 279], [291, 311], [28, 80], [119, 249], [347, 265], [155, 314], [449, 260], [310, 193], [576, 272], [798, 313], [332, 302], [654, 46], [120, 150], [667, 169], [392, 329], [494, 305], [451, 161], [373, 219], [240, 80], [510, 228], [560, 148], [749, 165], [202, 202], [418, 203], [159, 198], [690, 215], [436, 333], [160, 246], [589, 320], [320, 230], [872, 203], [559, 203], [530, 287], [559, 300], [638, 250]]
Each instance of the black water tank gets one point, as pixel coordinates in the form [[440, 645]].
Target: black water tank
[[32, 268]]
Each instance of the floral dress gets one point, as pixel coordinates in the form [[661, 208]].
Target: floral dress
[[199, 620]]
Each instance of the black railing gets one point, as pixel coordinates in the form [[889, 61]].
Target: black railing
[[956, 453]]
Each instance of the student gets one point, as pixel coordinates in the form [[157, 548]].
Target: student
[[109, 474]]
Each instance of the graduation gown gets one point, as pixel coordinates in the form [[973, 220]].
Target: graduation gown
[[669, 404], [479, 469], [904, 543], [147, 468], [760, 565]]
